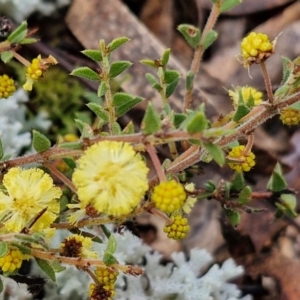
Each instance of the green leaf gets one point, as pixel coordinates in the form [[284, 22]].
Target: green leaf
[[233, 216], [238, 181], [189, 80], [191, 33], [229, 4], [109, 259], [210, 186], [70, 162], [245, 195], [94, 55], [101, 89], [287, 69], [195, 122], [47, 268], [6, 56], [118, 67], [1, 149], [40, 142], [124, 102], [98, 110], [18, 34], [216, 152], [111, 245], [116, 128], [153, 81], [28, 41], [151, 122], [22, 248], [171, 75], [178, 119], [129, 129], [288, 204], [106, 232], [165, 57], [57, 267], [86, 73], [241, 111], [171, 87], [210, 37], [3, 249], [277, 182], [1, 285], [151, 63], [116, 43]]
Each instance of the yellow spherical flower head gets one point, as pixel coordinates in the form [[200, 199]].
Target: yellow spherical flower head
[[106, 277], [178, 229], [245, 161], [36, 69], [251, 96], [111, 177], [7, 86], [255, 48], [169, 196], [29, 192], [78, 246], [12, 260], [290, 116]]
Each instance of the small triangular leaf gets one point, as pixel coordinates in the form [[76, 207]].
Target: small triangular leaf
[[118, 67], [195, 122], [98, 110], [40, 142], [245, 195], [277, 182], [238, 181], [116, 43], [216, 152], [210, 37], [151, 122], [86, 72], [124, 102], [191, 33], [6, 56], [229, 4], [109, 259], [233, 216], [241, 111], [94, 55]]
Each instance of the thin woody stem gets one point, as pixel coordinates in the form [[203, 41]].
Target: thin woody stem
[[214, 14], [267, 82], [156, 163], [61, 176]]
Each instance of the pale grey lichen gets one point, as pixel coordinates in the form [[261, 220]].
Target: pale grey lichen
[[19, 10]]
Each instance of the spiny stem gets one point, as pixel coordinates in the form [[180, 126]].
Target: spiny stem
[[214, 14]]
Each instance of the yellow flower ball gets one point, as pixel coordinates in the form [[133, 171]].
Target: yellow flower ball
[[12, 261], [178, 229], [290, 116], [28, 193], [7, 86], [251, 96], [111, 177], [169, 196], [247, 159], [255, 48]]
